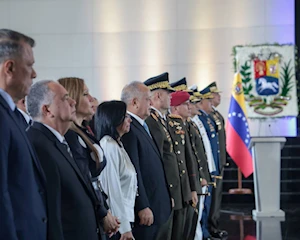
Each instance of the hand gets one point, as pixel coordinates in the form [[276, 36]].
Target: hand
[[126, 236], [146, 217], [194, 198], [173, 202], [204, 182], [111, 224]]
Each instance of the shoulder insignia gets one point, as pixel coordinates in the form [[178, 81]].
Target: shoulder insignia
[[154, 116], [175, 116], [171, 123]]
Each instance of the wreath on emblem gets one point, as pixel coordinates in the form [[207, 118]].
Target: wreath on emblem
[[266, 81]]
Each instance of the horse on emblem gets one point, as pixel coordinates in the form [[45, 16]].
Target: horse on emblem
[[264, 84]]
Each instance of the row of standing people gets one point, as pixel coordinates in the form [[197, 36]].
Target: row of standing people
[[70, 183]]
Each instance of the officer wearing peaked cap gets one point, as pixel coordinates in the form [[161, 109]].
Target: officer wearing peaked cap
[[209, 125], [180, 85], [217, 192], [160, 99]]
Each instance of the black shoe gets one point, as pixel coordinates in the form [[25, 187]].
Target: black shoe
[[219, 234]]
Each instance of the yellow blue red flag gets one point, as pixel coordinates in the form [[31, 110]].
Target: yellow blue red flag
[[237, 129]]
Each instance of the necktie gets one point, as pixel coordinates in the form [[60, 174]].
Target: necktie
[[66, 145], [147, 129]]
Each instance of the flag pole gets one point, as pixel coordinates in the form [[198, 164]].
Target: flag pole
[[240, 190]]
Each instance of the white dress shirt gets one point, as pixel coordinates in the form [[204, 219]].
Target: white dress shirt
[[25, 115], [141, 121], [119, 182], [59, 137]]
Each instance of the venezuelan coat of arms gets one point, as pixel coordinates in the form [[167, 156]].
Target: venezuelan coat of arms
[[268, 79]]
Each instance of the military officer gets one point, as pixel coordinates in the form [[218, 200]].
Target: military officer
[[217, 195], [178, 184], [205, 107], [182, 147]]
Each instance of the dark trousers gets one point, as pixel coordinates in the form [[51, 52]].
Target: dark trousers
[[214, 216], [205, 213], [142, 232], [165, 231], [179, 223]]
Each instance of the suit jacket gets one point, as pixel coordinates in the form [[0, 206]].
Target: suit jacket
[[70, 199], [220, 123], [152, 185], [22, 182], [164, 143], [198, 150]]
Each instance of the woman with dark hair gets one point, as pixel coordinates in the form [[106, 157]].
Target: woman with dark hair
[[118, 179]]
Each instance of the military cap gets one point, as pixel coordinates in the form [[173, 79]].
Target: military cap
[[206, 93], [213, 88], [179, 97], [180, 85], [159, 82], [195, 95]]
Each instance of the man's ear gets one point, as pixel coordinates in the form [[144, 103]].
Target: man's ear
[[9, 67], [45, 110], [135, 102]]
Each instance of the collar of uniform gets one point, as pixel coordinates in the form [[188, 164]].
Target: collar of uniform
[[160, 114], [141, 121]]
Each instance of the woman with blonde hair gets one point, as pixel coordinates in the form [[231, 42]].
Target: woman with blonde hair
[[85, 148]]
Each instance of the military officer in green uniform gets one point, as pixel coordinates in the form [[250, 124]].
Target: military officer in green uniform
[[182, 147], [178, 182], [217, 192]]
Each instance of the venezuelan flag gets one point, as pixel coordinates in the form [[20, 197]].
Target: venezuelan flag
[[237, 129]]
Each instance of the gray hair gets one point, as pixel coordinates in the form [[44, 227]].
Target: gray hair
[[131, 91], [11, 44], [40, 94]]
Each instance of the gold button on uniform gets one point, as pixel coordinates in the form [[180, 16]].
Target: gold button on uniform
[[178, 152], [171, 185]]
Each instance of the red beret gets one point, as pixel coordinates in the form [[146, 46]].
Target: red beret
[[179, 97]]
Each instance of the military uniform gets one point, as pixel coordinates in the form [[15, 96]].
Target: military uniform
[[175, 169], [162, 138], [217, 192], [187, 167], [209, 126]]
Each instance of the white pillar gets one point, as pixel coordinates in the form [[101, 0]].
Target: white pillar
[[266, 152]]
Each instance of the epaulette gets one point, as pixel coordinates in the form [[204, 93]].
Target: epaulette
[[154, 116], [175, 116]]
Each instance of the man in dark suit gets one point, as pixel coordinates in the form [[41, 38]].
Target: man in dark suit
[[71, 201], [22, 182], [153, 203]]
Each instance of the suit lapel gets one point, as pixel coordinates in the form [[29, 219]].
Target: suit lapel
[[141, 129], [23, 133], [65, 153]]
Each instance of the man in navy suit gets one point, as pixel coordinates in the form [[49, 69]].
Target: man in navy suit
[[153, 203], [22, 182]]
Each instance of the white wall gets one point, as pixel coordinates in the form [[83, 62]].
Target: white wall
[[112, 42]]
